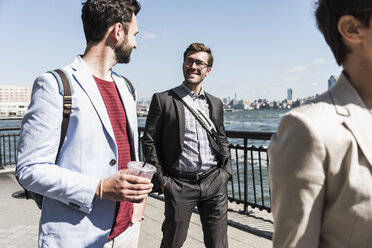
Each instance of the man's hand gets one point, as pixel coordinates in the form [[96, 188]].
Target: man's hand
[[124, 187], [163, 186]]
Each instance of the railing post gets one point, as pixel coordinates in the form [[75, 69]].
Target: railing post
[[1, 156], [237, 172], [15, 148], [267, 167], [141, 131], [245, 175], [253, 177], [261, 178]]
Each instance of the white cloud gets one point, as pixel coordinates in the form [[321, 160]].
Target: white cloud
[[319, 61], [297, 69], [292, 79], [149, 36]]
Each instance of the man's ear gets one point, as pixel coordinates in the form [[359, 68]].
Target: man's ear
[[118, 31], [351, 29], [209, 69]]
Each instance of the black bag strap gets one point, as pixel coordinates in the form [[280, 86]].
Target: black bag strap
[[66, 90], [67, 104]]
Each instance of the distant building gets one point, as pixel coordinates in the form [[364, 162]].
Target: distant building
[[332, 80], [14, 100], [240, 104], [13, 109], [11, 93], [289, 95]]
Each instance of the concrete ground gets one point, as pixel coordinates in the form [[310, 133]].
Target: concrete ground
[[19, 222]]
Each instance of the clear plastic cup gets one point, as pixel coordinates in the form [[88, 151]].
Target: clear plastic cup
[[137, 168]]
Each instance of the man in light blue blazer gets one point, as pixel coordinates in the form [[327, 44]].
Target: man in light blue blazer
[[81, 189]]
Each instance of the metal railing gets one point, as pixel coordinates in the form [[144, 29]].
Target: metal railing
[[9, 137], [248, 184]]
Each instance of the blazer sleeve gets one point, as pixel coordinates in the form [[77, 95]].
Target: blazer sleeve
[[151, 140], [297, 181], [37, 150], [224, 141]]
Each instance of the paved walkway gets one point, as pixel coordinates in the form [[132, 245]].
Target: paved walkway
[[19, 222]]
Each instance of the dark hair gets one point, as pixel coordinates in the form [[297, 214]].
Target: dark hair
[[99, 15], [329, 12], [199, 47]]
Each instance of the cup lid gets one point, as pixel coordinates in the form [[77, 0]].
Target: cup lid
[[148, 168]]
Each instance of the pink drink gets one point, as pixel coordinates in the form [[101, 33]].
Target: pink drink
[[137, 168]]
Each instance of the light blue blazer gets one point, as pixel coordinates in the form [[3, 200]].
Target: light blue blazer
[[71, 215]]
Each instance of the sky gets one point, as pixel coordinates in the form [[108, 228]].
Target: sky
[[260, 47]]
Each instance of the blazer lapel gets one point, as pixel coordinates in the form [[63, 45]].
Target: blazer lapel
[[181, 117], [357, 117], [214, 110], [83, 77], [214, 116]]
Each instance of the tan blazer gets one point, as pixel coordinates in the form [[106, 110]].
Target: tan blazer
[[320, 173]]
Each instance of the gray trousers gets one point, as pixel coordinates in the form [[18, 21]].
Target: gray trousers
[[182, 196]]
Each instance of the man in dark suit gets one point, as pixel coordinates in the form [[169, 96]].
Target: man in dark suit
[[193, 165]]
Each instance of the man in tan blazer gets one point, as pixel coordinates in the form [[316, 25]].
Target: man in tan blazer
[[321, 156]]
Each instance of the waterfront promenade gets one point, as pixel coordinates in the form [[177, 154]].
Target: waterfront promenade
[[19, 222]]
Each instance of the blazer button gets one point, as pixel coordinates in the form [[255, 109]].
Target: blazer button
[[112, 162]]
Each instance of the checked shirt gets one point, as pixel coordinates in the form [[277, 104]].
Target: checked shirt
[[197, 154]]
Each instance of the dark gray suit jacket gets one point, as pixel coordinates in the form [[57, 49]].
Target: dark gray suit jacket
[[165, 132]]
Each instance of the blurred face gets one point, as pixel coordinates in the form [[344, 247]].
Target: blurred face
[[195, 67], [123, 49]]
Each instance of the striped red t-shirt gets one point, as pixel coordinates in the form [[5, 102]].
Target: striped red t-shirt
[[116, 112]]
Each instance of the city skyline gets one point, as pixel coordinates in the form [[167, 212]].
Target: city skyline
[[14, 101], [261, 48], [14, 93]]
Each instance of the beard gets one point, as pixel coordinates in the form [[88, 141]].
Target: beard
[[122, 52]]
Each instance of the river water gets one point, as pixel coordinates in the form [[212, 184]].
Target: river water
[[249, 120]]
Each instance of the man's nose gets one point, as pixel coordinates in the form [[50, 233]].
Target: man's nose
[[193, 65]]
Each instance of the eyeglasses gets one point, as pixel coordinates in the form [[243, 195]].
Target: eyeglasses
[[199, 64]]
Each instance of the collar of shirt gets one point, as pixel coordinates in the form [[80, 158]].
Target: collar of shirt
[[193, 94]]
